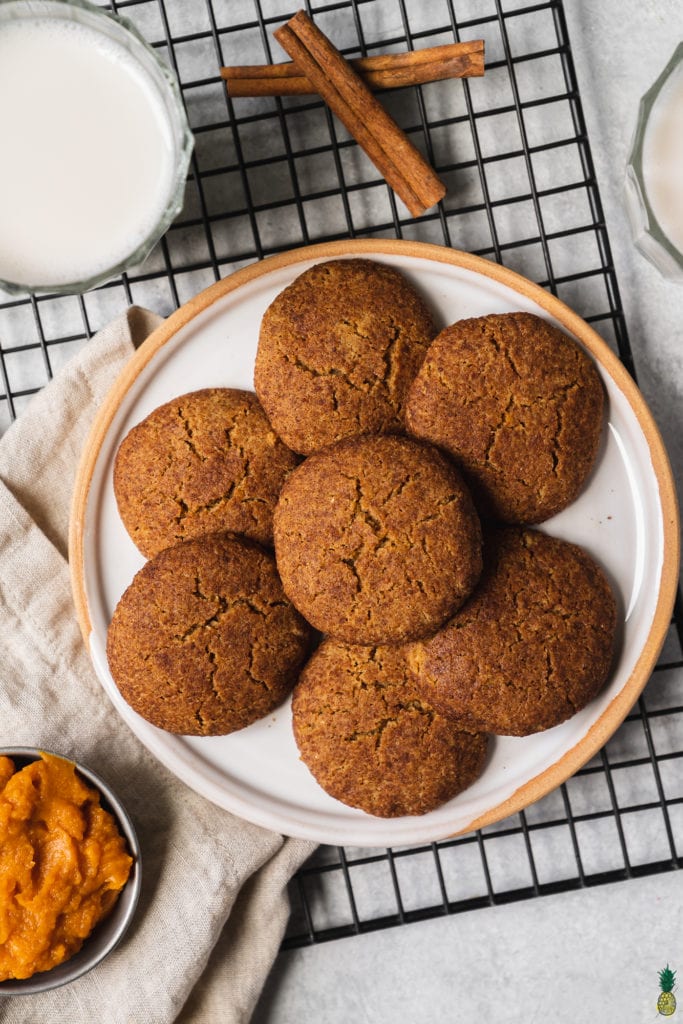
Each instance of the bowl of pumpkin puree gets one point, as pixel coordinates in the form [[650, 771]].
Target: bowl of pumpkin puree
[[69, 870]]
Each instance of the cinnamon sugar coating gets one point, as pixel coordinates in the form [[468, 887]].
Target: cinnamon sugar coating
[[518, 404], [204, 641], [377, 539], [371, 740], [531, 647], [205, 462], [338, 349]]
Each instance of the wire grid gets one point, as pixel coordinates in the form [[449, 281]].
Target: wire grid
[[270, 174]]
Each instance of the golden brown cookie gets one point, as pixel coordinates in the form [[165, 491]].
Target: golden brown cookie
[[205, 462], [337, 351], [377, 539], [532, 646], [204, 641], [518, 404], [371, 740]]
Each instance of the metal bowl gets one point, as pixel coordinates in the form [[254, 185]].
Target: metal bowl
[[109, 932]]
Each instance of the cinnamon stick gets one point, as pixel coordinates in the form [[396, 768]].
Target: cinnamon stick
[[383, 71], [396, 158]]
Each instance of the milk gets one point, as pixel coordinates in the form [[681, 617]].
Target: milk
[[663, 159], [87, 153]]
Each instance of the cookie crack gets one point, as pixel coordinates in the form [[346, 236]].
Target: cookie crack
[[229, 431], [390, 370], [398, 490], [350, 562], [502, 350], [188, 440], [206, 624], [422, 710], [358, 509], [211, 654], [559, 413], [224, 608], [377, 732], [335, 373], [262, 610], [442, 503], [252, 675], [416, 582], [184, 508], [221, 499], [495, 431], [353, 324]]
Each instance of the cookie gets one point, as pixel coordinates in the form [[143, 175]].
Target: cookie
[[204, 641], [205, 462], [371, 740], [518, 404], [531, 647], [337, 351], [377, 540]]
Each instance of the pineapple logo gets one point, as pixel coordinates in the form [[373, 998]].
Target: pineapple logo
[[666, 1004]]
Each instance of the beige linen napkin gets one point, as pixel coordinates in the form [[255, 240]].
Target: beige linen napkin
[[197, 859]]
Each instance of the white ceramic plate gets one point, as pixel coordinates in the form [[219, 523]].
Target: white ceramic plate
[[626, 518]]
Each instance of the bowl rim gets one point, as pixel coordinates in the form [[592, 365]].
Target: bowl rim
[[83, 961]]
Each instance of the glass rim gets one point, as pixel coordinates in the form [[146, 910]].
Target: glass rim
[[127, 34], [634, 167]]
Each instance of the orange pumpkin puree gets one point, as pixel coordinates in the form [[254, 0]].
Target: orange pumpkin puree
[[63, 863]]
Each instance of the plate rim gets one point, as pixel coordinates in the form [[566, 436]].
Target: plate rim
[[616, 711]]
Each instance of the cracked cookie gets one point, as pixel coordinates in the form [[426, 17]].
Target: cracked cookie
[[337, 351], [531, 647], [371, 740], [377, 539], [519, 406], [204, 641], [205, 462]]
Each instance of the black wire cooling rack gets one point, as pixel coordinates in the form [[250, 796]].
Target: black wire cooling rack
[[271, 174]]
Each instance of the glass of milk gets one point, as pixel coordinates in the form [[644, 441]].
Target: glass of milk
[[654, 176], [95, 146]]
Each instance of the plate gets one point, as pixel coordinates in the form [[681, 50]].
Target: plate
[[626, 518]]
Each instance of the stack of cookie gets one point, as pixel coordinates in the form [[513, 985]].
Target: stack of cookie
[[432, 633], [204, 641]]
